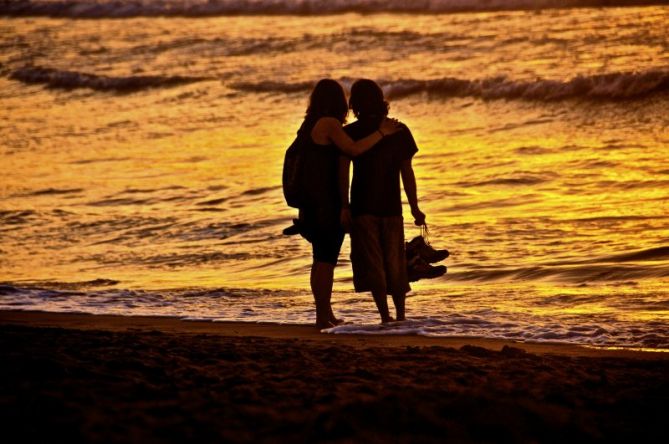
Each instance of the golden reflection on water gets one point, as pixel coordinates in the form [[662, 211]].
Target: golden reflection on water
[[179, 187]]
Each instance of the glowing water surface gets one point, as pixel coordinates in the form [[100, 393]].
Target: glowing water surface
[[165, 198]]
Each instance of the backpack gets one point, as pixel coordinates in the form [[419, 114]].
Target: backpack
[[293, 179]]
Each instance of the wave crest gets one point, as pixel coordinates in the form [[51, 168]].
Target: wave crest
[[613, 86], [621, 267], [54, 78], [606, 87]]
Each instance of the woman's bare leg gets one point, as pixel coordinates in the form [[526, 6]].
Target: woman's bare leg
[[333, 319], [322, 276]]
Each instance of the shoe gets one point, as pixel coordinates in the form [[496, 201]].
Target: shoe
[[418, 268], [429, 254], [293, 229]]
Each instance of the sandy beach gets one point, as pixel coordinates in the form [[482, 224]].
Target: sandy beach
[[150, 379]]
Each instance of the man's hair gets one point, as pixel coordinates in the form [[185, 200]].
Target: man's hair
[[327, 100], [367, 99]]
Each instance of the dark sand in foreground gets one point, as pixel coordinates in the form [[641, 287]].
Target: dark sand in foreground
[[149, 379]]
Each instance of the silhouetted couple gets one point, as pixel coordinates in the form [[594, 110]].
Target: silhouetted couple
[[381, 150]]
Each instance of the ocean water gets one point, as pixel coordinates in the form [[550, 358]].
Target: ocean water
[[141, 145]]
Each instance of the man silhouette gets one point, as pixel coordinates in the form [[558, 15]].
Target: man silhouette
[[374, 217]]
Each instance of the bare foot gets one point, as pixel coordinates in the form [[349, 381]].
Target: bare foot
[[333, 319], [324, 325], [389, 319], [336, 321]]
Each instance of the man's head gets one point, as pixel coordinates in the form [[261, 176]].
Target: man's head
[[367, 100]]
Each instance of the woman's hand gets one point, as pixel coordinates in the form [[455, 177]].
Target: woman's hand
[[389, 126], [345, 219], [418, 216]]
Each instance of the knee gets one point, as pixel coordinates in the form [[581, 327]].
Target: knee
[[322, 266], [378, 288]]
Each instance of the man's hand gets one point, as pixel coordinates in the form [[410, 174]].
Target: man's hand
[[389, 126], [418, 216], [345, 219]]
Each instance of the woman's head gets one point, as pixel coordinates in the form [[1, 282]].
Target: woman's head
[[328, 100], [367, 100]]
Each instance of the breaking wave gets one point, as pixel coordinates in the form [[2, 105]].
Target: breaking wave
[[621, 267], [54, 78], [134, 8], [604, 87], [572, 274]]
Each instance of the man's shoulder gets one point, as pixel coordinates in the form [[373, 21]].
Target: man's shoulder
[[404, 142], [403, 135], [404, 128], [354, 129]]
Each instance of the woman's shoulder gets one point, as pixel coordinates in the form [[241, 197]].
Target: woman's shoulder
[[327, 121], [310, 123], [316, 130], [323, 129]]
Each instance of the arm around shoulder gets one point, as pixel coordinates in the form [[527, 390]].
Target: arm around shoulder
[[348, 146]]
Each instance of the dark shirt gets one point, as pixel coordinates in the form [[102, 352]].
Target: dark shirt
[[375, 189]]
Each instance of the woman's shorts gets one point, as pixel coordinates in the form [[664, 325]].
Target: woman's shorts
[[326, 245], [321, 227]]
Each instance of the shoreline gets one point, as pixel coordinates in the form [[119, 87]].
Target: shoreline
[[172, 325]]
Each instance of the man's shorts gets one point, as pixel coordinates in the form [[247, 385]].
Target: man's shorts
[[377, 254]]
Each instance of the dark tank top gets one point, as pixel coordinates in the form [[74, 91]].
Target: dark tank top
[[321, 178]]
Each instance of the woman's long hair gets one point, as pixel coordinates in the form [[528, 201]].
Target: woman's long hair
[[367, 100], [327, 100]]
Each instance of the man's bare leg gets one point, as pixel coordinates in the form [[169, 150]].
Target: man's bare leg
[[381, 300], [398, 300]]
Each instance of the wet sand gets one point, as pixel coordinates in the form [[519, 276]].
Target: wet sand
[[150, 379]]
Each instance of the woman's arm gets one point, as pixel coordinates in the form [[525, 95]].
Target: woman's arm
[[332, 129]]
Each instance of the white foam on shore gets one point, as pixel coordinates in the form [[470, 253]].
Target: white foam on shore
[[296, 307], [474, 326]]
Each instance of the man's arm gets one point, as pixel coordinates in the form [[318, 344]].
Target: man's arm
[[345, 217], [409, 181]]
